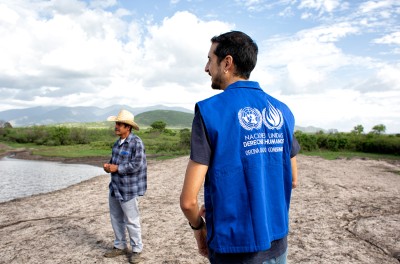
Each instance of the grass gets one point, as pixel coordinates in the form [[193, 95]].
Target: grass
[[69, 151], [91, 150], [152, 146], [332, 155], [72, 151]]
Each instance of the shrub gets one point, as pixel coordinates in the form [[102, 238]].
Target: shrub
[[383, 145], [169, 132], [79, 135], [158, 125], [308, 142], [59, 136], [184, 137]]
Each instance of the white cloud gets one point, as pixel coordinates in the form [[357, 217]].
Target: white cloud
[[331, 33], [323, 6], [378, 14], [287, 12], [327, 87], [47, 8], [390, 76], [102, 3], [311, 62], [63, 46], [74, 51], [176, 50], [370, 6], [343, 109], [7, 15], [392, 38], [70, 52], [307, 61]]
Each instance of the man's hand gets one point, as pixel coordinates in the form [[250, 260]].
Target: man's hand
[[294, 184], [201, 239], [106, 167], [201, 235], [109, 168]]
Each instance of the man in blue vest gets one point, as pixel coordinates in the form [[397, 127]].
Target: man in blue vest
[[242, 145]]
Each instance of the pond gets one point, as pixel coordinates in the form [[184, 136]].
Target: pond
[[21, 178]]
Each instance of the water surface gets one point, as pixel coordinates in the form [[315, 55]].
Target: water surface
[[21, 178]]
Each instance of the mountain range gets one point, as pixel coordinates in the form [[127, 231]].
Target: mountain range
[[47, 115]]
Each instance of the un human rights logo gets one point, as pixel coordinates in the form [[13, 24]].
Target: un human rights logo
[[272, 117], [250, 118]]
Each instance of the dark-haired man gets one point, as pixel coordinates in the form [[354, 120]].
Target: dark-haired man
[[242, 145]]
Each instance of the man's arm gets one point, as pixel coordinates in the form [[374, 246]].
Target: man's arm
[[194, 178], [293, 161]]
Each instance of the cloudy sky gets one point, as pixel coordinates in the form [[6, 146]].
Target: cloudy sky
[[335, 63]]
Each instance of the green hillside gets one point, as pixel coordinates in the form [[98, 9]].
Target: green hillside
[[173, 119]]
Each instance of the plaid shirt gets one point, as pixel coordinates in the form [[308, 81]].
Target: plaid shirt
[[131, 179]]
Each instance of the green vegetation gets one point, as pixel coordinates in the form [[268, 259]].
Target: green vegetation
[[96, 139], [332, 155], [159, 125], [68, 151], [350, 144], [73, 142]]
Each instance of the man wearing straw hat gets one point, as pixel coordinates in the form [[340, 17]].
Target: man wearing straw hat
[[128, 168]]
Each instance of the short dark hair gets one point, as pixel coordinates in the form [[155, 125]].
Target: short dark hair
[[242, 49]]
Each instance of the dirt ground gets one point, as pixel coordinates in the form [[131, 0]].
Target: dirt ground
[[344, 211]]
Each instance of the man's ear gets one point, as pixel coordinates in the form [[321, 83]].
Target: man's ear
[[229, 66]]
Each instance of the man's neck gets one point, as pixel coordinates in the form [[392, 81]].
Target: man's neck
[[122, 137], [233, 79]]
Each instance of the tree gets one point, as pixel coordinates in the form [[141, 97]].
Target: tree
[[59, 135], [158, 125], [7, 125], [358, 129], [184, 137], [4, 124], [379, 129]]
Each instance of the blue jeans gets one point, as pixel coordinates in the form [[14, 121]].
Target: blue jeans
[[125, 215], [279, 260], [250, 258]]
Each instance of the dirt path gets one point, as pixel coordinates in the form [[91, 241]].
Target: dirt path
[[344, 211]]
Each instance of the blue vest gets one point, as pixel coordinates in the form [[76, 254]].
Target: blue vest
[[249, 180]]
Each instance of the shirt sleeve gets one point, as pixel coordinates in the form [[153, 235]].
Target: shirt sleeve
[[295, 147], [200, 150]]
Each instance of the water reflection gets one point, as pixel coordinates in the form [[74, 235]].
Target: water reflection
[[21, 178]]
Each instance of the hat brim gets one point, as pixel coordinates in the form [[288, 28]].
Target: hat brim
[[128, 122]]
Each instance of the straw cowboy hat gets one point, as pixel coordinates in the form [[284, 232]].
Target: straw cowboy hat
[[124, 117]]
